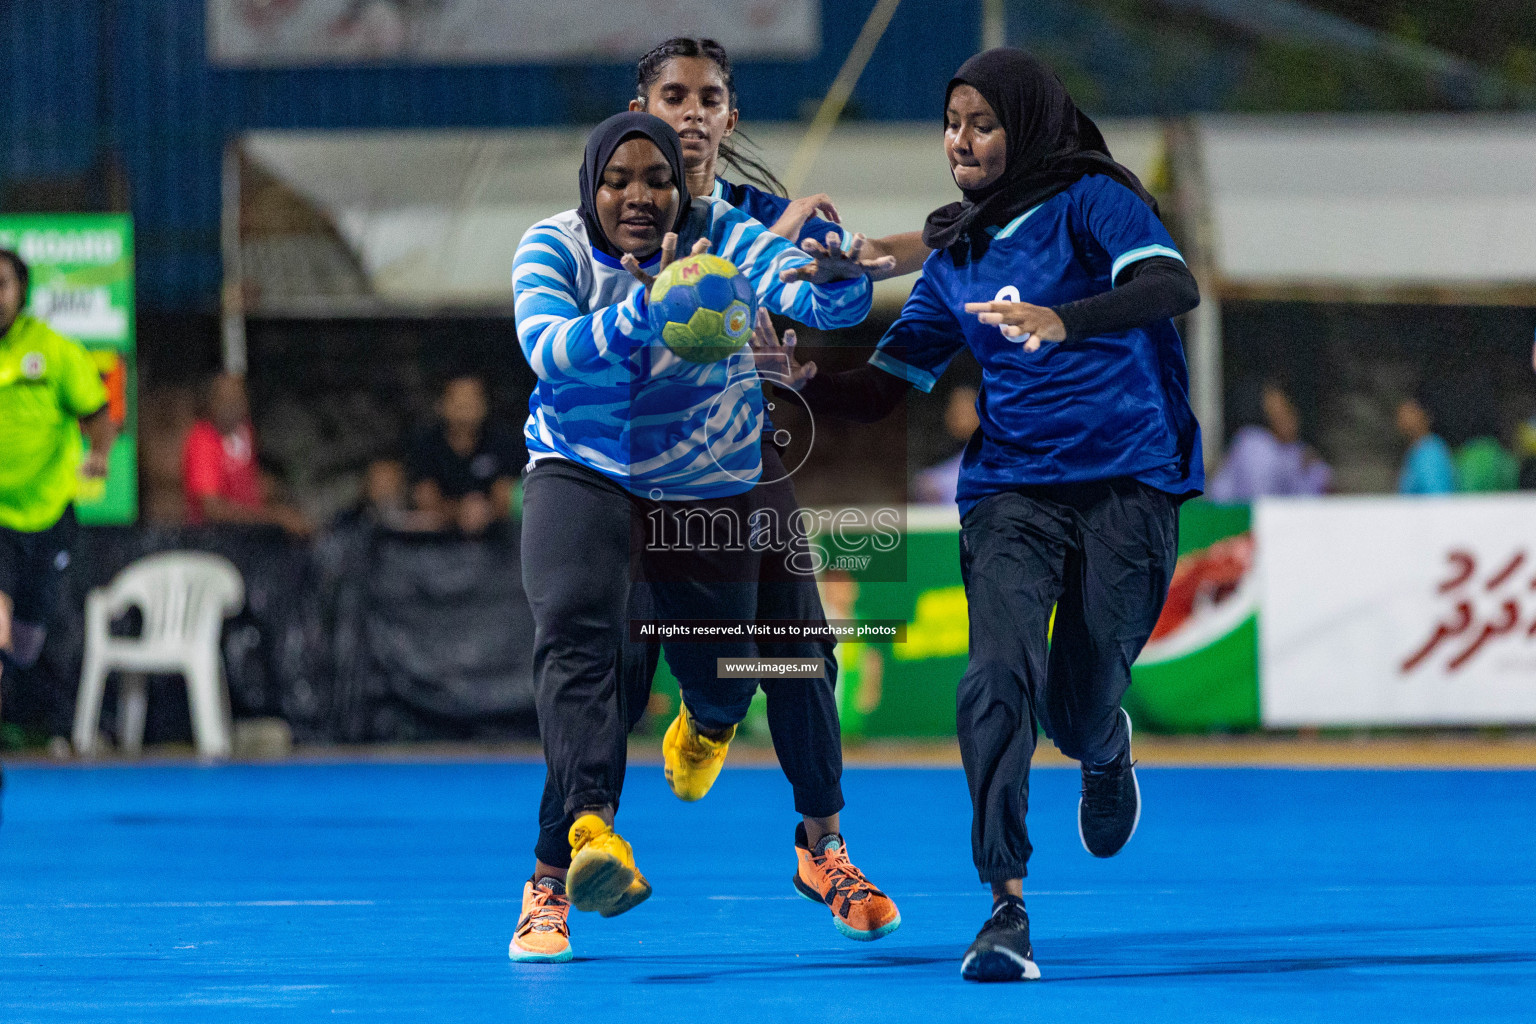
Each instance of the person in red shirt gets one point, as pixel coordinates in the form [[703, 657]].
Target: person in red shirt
[[218, 465]]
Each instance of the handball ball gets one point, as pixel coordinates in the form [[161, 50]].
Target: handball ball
[[703, 307]]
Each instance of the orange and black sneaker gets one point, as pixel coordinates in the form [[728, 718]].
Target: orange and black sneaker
[[543, 934], [827, 876]]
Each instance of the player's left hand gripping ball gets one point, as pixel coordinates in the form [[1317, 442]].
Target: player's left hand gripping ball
[[704, 308]]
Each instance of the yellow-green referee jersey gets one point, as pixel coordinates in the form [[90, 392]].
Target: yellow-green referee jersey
[[47, 383]]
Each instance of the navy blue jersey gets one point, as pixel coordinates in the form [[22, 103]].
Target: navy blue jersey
[[1114, 405], [765, 208]]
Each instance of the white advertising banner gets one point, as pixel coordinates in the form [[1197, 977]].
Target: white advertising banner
[[288, 32], [1397, 611]]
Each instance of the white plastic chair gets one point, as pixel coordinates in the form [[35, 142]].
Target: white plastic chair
[[184, 597]]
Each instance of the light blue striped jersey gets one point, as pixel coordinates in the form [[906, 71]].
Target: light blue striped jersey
[[613, 398]]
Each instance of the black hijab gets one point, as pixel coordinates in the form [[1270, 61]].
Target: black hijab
[[609, 136], [1051, 144]]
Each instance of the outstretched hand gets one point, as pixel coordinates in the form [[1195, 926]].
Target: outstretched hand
[[1021, 320], [792, 220], [668, 254], [831, 263], [775, 359]]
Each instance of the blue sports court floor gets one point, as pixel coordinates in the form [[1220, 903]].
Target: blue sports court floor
[[389, 891]]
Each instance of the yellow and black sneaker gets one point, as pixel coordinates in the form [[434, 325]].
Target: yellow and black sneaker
[[638, 892], [693, 761], [603, 876]]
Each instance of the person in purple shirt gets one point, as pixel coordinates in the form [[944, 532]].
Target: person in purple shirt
[[1270, 459]]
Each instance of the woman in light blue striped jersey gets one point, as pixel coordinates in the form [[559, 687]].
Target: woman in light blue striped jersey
[[628, 446]]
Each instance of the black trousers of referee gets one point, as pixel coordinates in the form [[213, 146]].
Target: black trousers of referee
[[585, 543], [1102, 553], [31, 570]]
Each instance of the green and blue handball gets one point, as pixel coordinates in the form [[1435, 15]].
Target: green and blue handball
[[704, 308]]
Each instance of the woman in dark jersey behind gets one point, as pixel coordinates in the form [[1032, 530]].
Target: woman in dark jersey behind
[[688, 83]]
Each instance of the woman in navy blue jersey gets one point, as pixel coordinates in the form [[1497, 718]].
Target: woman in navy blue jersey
[[1055, 271]]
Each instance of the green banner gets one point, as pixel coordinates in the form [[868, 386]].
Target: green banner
[[1199, 673], [1200, 670], [81, 267]]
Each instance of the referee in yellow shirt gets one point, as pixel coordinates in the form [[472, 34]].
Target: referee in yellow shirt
[[48, 384]]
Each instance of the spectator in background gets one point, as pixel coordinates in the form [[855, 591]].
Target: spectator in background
[[219, 473], [1270, 459], [1473, 417], [1484, 466], [385, 501], [1525, 452], [937, 485], [1427, 468], [463, 466]]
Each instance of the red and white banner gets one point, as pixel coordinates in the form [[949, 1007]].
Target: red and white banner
[[1397, 611]]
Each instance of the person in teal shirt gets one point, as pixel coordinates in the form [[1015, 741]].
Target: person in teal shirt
[[1427, 468]]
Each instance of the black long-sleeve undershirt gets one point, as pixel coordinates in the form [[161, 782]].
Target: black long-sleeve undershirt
[[864, 395], [1158, 288]]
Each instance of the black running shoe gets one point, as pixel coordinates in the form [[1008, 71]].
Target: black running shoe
[[1110, 807], [1002, 951]]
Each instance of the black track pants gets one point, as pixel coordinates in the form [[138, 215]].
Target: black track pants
[[1102, 554], [586, 541]]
